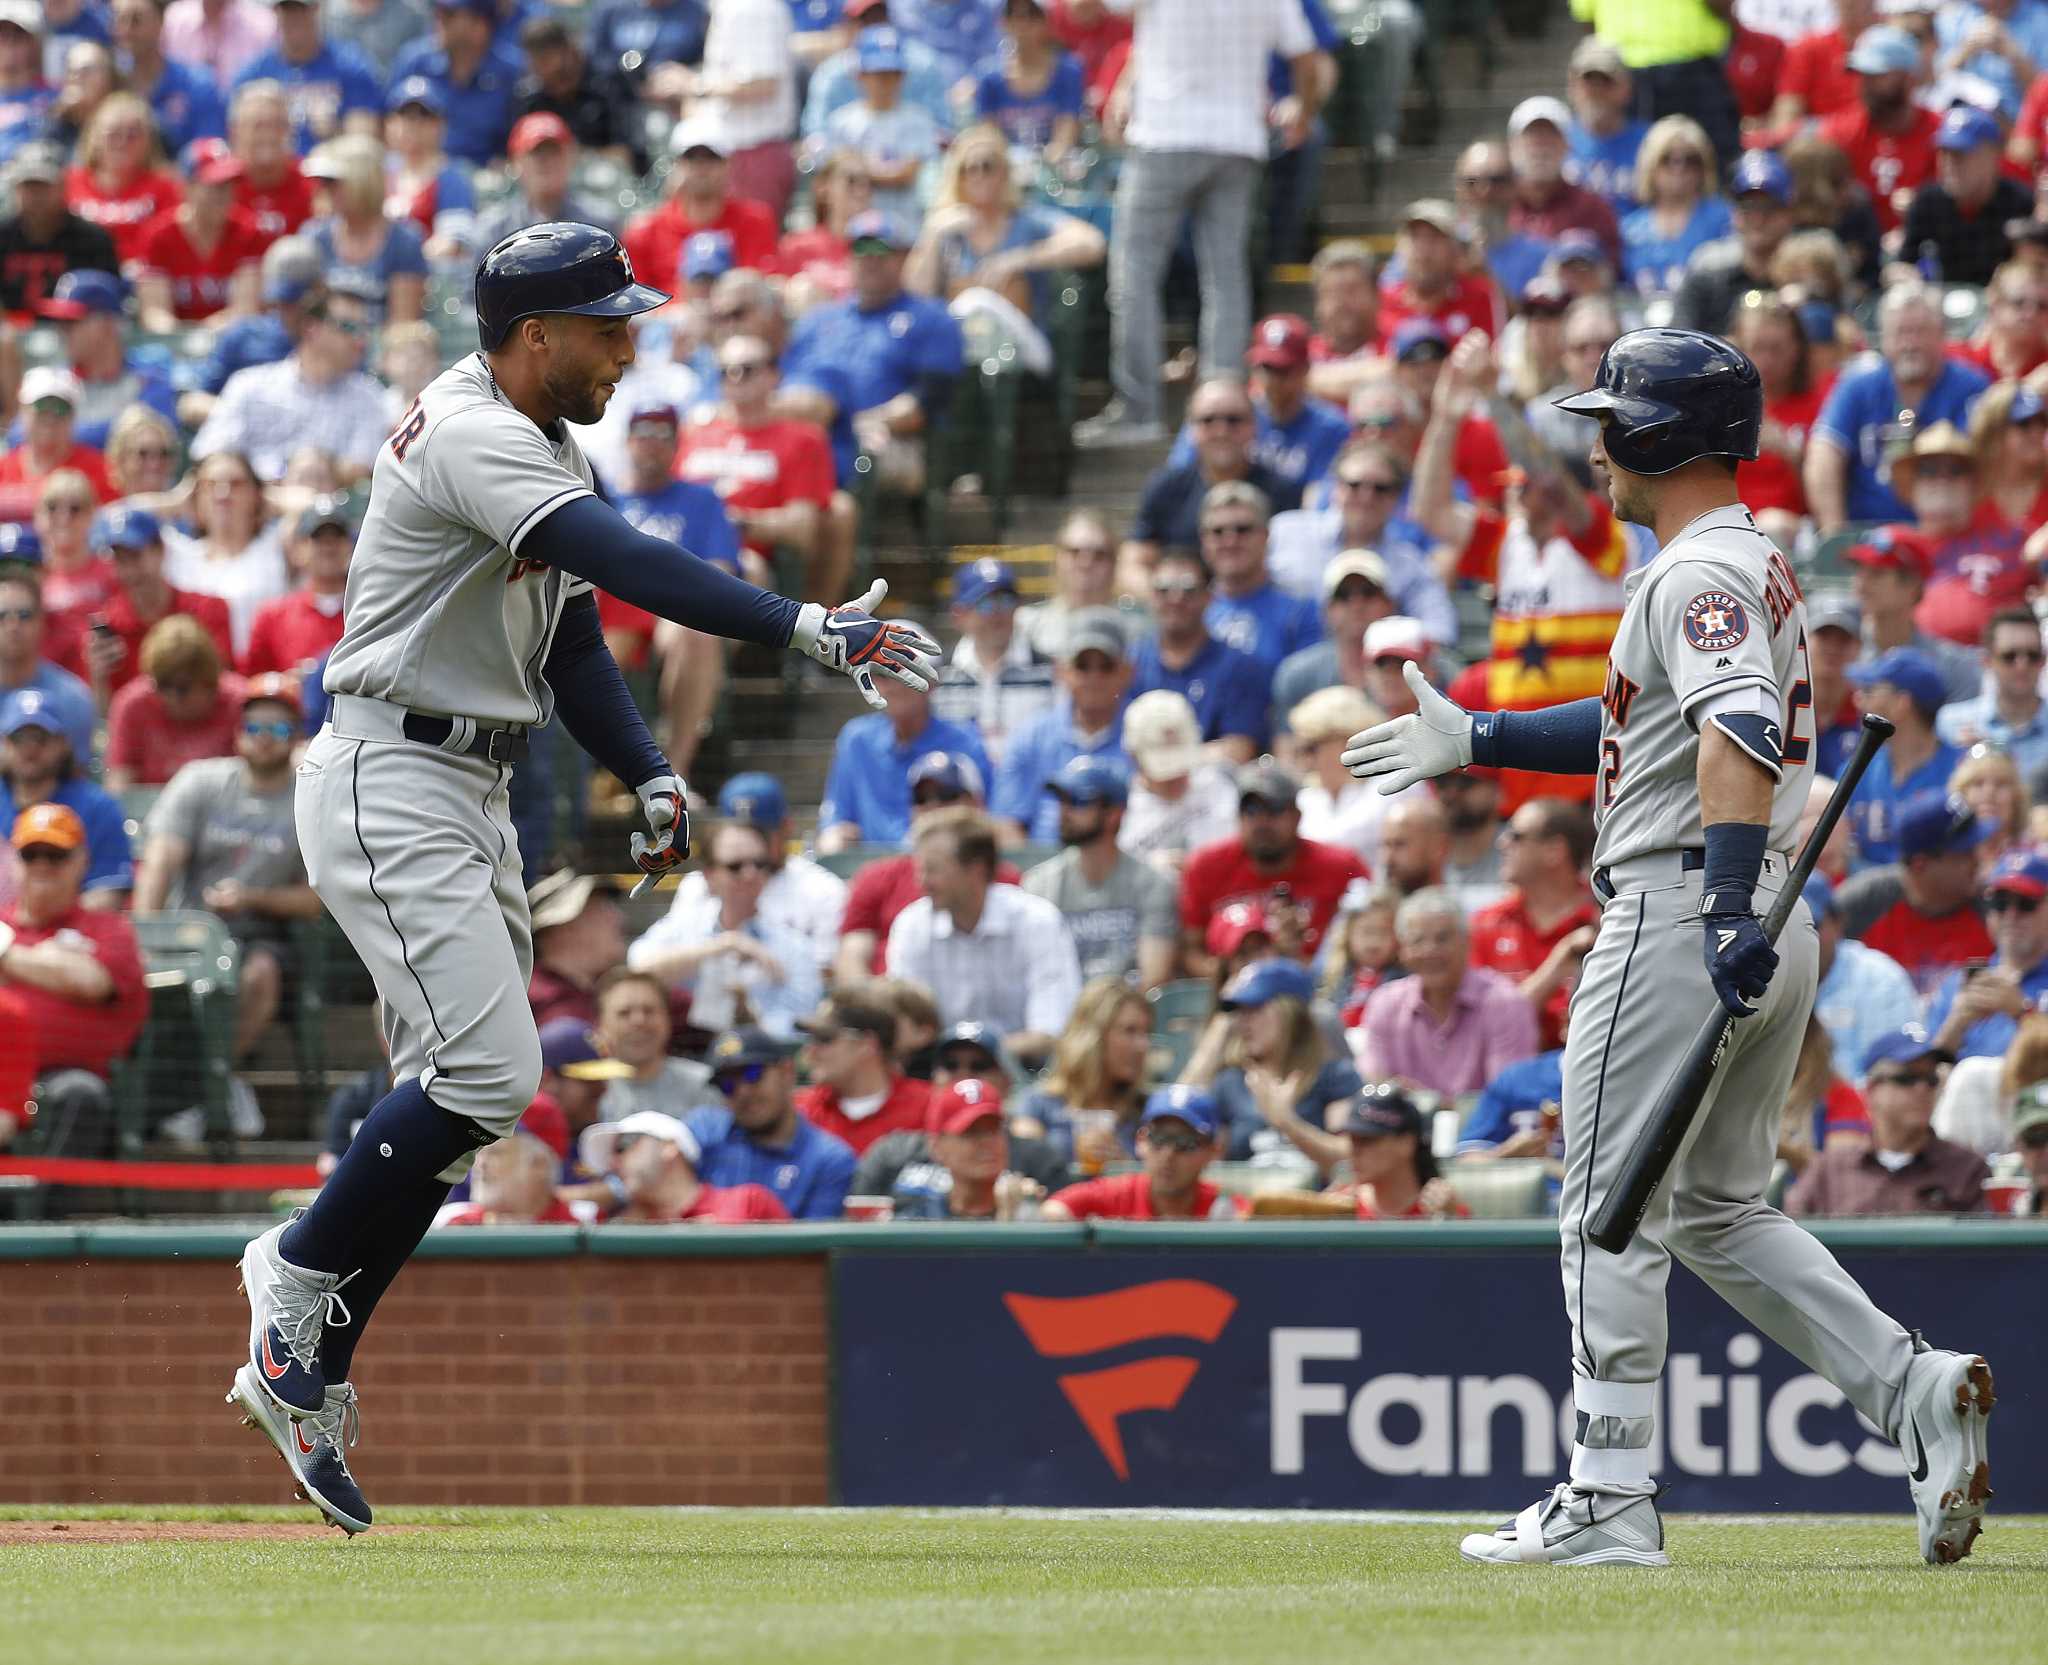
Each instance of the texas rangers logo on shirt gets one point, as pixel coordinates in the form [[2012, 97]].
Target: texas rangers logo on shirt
[[1715, 621]]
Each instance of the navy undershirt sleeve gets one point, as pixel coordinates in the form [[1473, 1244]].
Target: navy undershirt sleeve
[[592, 699], [593, 540], [1558, 740]]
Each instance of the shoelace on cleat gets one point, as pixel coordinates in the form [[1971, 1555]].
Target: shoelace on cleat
[[303, 1314], [339, 1426]]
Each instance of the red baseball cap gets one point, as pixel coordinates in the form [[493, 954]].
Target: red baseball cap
[[273, 685], [1899, 547], [967, 1103], [210, 162], [1228, 927], [1280, 343], [537, 128]]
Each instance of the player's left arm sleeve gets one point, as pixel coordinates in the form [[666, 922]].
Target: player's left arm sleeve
[[588, 537], [593, 699], [1711, 629], [1557, 740]]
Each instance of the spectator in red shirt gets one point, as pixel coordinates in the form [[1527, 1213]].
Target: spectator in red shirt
[[72, 574], [700, 199], [49, 400], [200, 262], [2014, 340], [1268, 862], [1546, 204], [1099, 37], [1771, 333], [1888, 139], [120, 182], [858, 1094], [272, 193], [819, 262], [72, 976], [512, 1184], [1179, 1135], [102, 633], [1393, 1170], [1345, 352], [293, 631], [775, 477], [184, 706], [1815, 80], [1923, 912], [1434, 282], [1540, 932], [656, 1160]]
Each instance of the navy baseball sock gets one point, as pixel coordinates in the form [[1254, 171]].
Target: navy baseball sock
[[403, 1143], [383, 1252]]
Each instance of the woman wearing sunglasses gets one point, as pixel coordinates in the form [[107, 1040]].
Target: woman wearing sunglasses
[[1680, 185], [1976, 1011]]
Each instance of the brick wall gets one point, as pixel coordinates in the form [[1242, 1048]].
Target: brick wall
[[577, 1380]]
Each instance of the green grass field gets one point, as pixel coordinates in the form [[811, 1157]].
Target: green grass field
[[492, 1587]]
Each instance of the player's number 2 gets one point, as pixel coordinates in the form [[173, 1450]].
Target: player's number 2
[[1798, 745]]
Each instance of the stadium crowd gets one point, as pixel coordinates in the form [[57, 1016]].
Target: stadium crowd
[[1103, 910]]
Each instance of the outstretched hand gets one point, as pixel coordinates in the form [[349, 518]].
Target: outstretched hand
[[852, 641], [1432, 740]]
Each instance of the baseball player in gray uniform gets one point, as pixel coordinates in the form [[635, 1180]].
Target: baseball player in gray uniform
[[1701, 748], [471, 620]]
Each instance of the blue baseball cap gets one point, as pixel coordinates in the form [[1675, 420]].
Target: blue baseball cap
[[955, 771], [1193, 1105], [30, 708], [986, 577], [1764, 171], [1910, 671], [2026, 406], [1820, 897], [877, 226], [1884, 49], [2020, 873], [1265, 980], [1817, 320], [1906, 1044], [1929, 824], [1578, 245], [18, 542], [416, 89], [879, 51], [79, 294], [707, 254], [755, 799], [1419, 335], [1965, 128], [122, 527], [1090, 780]]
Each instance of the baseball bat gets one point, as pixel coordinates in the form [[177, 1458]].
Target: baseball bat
[[1657, 1141]]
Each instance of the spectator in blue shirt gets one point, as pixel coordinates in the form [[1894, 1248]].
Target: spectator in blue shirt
[[1094, 675], [759, 1138], [682, 511], [1250, 612], [361, 249], [877, 371], [1904, 687], [1604, 137], [834, 82], [963, 34], [867, 790], [291, 281], [184, 98], [1033, 89], [1170, 508], [37, 766], [1976, 1013], [634, 36], [1227, 688], [1863, 992], [1297, 438], [1510, 1118], [91, 306], [329, 85], [1683, 208], [2007, 36], [2012, 716], [897, 140], [23, 622], [1846, 452], [475, 77]]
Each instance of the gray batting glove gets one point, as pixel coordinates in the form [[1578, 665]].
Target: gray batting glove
[[852, 641], [662, 800], [1433, 740]]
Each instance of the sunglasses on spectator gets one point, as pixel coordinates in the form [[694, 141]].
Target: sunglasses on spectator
[[2000, 900], [729, 1082], [277, 728], [1510, 833], [874, 245], [1183, 1144], [66, 506], [1222, 418], [982, 164], [1393, 661], [1378, 422], [925, 796], [175, 690], [1379, 488], [2019, 656], [973, 1063], [152, 453], [37, 854], [1177, 586], [745, 864], [1359, 590], [1945, 470], [18, 615], [1906, 1078], [728, 314], [1485, 181], [741, 368], [1263, 806], [2035, 1138], [354, 328], [859, 181], [1230, 529], [52, 407], [1684, 159], [1086, 551]]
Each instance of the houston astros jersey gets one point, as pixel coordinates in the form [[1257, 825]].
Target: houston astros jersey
[[1717, 611], [443, 616]]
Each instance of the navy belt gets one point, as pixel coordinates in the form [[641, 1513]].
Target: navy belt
[[499, 745], [1689, 861]]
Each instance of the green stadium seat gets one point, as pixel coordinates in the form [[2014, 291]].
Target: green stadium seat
[[192, 967], [1827, 563], [1516, 1188], [1180, 1012], [136, 803], [851, 860]]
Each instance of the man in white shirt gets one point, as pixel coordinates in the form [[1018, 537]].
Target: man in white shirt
[[748, 81], [988, 953], [996, 682], [1193, 109], [1179, 799]]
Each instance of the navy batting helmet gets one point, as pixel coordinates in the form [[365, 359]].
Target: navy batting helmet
[[1665, 398], [557, 267]]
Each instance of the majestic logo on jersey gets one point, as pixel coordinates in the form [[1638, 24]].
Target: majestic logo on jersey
[[1715, 621], [1065, 1327]]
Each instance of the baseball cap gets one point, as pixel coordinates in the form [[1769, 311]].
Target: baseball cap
[[652, 407], [1937, 439], [1578, 245], [28, 708], [1098, 628], [700, 132], [877, 226], [1354, 563], [1434, 212], [2030, 1109], [415, 90], [537, 128], [879, 51], [2026, 406], [1834, 610], [985, 1037], [1893, 546], [1265, 782], [748, 1044], [2020, 873], [568, 1047], [754, 799], [24, 16], [330, 508], [1381, 1110], [483, 8], [597, 1147], [1090, 780], [1265, 980], [958, 773], [1819, 896], [1280, 343], [1929, 824], [78, 294], [974, 584], [1228, 927], [1761, 171], [707, 254], [52, 824], [41, 162], [210, 162], [1397, 634], [1817, 319], [1544, 296], [1904, 1045], [18, 542], [1965, 128], [1884, 49], [967, 1103], [2027, 229], [1910, 671], [561, 896], [1162, 735], [125, 527], [49, 381], [323, 161], [1193, 1105], [1420, 338], [1594, 56], [1542, 107], [291, 266], [276, 687]]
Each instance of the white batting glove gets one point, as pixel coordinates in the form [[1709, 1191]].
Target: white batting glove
[[662, 800], [1433, 740], [852, 641]]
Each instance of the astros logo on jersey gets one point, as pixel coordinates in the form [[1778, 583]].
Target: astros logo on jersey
[[1715, 621]]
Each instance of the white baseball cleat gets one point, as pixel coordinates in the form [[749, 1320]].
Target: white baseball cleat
[[315, 1448], [289, 1307], [1571, 1528], [1945, 1413]]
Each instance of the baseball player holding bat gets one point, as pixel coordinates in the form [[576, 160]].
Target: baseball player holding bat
[[472, 620], [1701, 748]]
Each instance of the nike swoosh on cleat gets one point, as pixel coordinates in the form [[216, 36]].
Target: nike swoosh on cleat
[[271, 1367], [1919, 1469], [299, 1439]]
